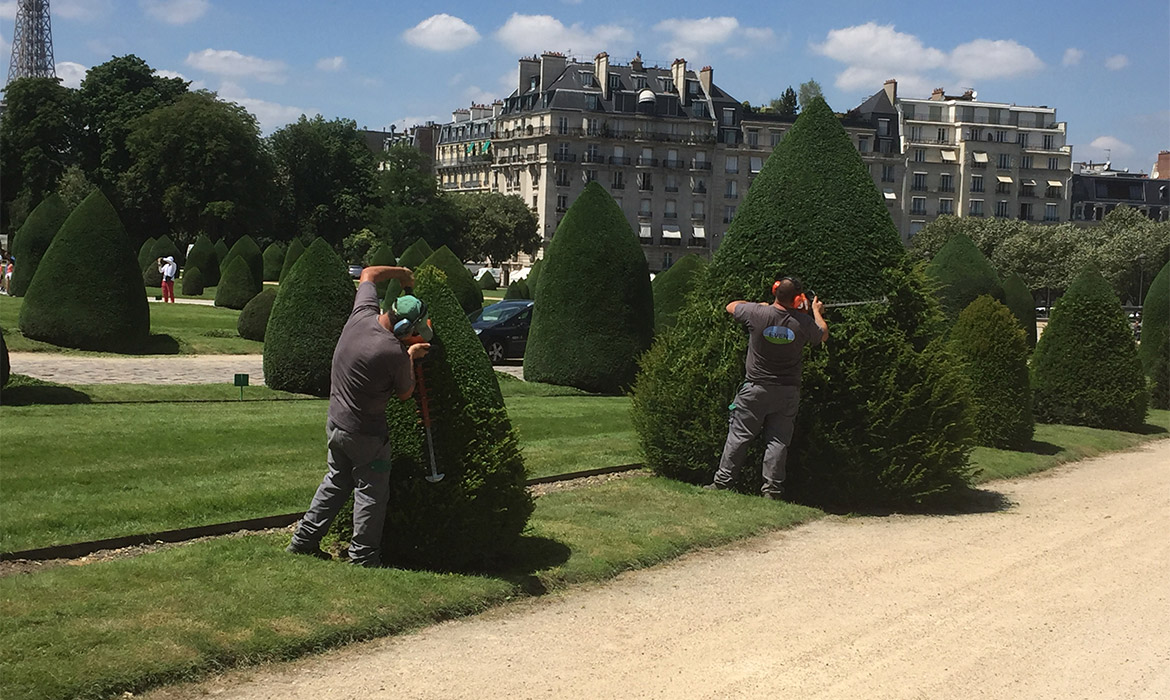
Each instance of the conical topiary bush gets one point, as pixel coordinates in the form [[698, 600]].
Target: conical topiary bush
[[253, 320], [247, 249], [415, 254], [481, 506], [671, 287], [294, 252], [592, 340], [221, 251], [192, 283], [311, 307], [204, 257], [74, 302], [1160, 376], [1018, 299], [164, 247], [146, 253], [534, 277], [1085, 368], [884, 416], [459, 278], [5, 367], [33, 239], [383, 255], [487, 281], [273, 259], [994, 349], [962, 274], [518, 290], [1155, 320], [236, 287]]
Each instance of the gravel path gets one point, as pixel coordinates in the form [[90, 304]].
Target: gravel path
[[167, 369], [1063, 595]]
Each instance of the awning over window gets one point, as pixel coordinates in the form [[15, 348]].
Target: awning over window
[[1055, 183], [1028, 183], [644, 231], [699, 232], [889, 194], [949, 156], [671, 232], [1003, 178], [980, 157]]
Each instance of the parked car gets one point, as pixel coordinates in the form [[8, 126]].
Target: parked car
[[355, 271], [503, 328]]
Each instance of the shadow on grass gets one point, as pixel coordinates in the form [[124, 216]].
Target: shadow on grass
[[521, 564], [38, 394], [1038, 447], [159, 344], [1151, 429], [964, 501]]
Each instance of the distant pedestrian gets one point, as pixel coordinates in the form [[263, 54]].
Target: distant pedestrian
[[9, 265], [168, 269]]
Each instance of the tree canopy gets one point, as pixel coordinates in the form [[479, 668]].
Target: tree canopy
[[809, 91], [785, 105], [497, 226], [410, 203], [37, 138]]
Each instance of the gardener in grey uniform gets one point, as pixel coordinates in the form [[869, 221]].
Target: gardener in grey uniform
[[370, 364], [770, 394]]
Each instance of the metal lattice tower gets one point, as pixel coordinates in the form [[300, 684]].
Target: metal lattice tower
[[32, 42]]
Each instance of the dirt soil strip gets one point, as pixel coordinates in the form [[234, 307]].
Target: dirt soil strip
[[1065, 594]]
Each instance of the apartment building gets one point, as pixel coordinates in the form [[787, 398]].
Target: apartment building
[[970, 158], [463, 148], [1097, 189]]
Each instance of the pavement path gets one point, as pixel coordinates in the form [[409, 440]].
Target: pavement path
[[154, 369], [1063, 594]]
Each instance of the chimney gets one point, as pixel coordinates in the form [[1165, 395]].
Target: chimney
[[1162, 169], [705, 79], [938, 94], [529, 69], [678, 73], [601, 72], [636, 64], [480, 111], [497, 109], [552, 64], [891, 88], [460, 115]]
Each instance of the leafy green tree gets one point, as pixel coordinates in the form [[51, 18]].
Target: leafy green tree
[[1018, 299], [785, 105], [415, 254], [146, 253], [38, 134], [236, 286], [487, 281], [192, 285], [497, 226], [1133, 250], [962, 275], [809, 91], [1155, 320], [33, 239], [221, 250], [411, 203], [1085, 368], [671, 287], [253, 320], [74, 186], [591, 340], [534, 277], [247, 249], [273, 258], [357, 246], [200, 165], [383, 255], [325, 175], [518, 290], [312, 305], [458, 278], [295, 250], [204, 256], [76, 303]]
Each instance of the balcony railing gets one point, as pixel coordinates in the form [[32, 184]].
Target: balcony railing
[[700, 165], [670, 215], [642, 160], [619, 160], [562, 183], [668, 188], [618, 186], [592, 158], [699, 190], [565, 157], [698, 217], [672, 164], [645, 187], [946, 189]]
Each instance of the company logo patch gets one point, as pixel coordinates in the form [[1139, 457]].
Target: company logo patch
[[779, 335]]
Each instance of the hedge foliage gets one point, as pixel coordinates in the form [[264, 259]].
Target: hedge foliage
[[204, 257], [247, 249], [221, 251], [415, 254], [295, 250], [236, 286], [75, 302], [1018, 299], [459, 278], [962, 275], [481, 506], [273, 260], [33, 239], [885, 411], [671, 288], [192, 284], [5, 365], [591, 339], [534, 277], [487, 280], [311, 307], [384, 255], [1085, 368], [163, 247], [518, 290], [253, 319], [994, 349], [1160, 376], [146, 253], [151, 275], [1155, 320]]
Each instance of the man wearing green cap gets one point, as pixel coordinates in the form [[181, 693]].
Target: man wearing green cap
[[370, 365]]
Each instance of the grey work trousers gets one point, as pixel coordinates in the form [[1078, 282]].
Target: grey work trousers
[[771, 408], [358, 463]]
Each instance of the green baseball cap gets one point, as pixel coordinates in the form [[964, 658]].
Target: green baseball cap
[[413, 311]]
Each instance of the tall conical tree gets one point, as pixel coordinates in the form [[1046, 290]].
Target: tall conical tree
[[1018, 299], [534, 277], [247, 249], [221, 251], [79, 304], [204, 257], [164, 247], [415, 254], [146, 252], [481, 506], [962, 274], [1155, 319], [591, 341], [236, 286], [671, 287], [459, 278], [273, 259], [885, 417], [1085, 368], [295, 250], [311, 307], [383, 255], [33, 239]]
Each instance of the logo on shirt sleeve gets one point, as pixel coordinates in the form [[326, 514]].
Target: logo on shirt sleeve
[[779, 335]]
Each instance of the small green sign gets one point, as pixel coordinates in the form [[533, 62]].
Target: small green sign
[[241, 380]]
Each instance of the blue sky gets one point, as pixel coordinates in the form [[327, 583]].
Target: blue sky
[[1104, 66]]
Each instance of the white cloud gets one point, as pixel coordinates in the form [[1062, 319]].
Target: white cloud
[[689, 35], [476, 95], [81, 10], [1072, 57], [1109, 147], [441, 32], [753, 40], [270, 115], [234, 64], [988, 59], [70, 73], [1117, 62], [404, 123], [331, 64], [537, 33], [8, 9], [175, 11]]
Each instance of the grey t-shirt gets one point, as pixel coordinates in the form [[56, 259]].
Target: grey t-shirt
[[370, 366], [775, 340]]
